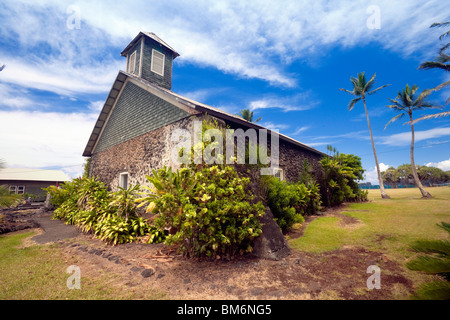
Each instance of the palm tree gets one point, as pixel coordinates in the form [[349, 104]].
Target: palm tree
[[406, 103], [441, 62], [362, 88], [246, 114]]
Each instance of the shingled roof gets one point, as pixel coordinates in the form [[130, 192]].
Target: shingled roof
[[189, 105], [150, 35], [33, 175]]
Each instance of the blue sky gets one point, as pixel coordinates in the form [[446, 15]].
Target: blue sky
[[285, 62]]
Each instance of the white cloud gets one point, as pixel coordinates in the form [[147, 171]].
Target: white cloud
[[443, 165], [371, 175], [40, 139], [14, 98], [96, 106], [404, 138], [274, 126], [298, 102], [299, 130], [249, 39], [58, 76]]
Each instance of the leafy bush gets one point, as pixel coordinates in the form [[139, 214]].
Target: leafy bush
[[86, 203], [340, 174], [289, 202], [208, 210], [8, 199]]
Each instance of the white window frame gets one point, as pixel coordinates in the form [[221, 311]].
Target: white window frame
[[20, 189], [121, 180], [13, 189], [163, 62], [132, 63], [278, 173]]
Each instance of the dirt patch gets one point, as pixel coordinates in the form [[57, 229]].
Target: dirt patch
[[141, 268], [340, 274]]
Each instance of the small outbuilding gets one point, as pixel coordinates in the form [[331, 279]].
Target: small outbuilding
[[31, 181]]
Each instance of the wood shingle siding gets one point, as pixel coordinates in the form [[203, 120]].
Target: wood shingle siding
[[136, 112]]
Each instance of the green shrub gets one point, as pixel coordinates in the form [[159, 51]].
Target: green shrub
[[8, 199], [111, 216], [289, 202], [340, 174], [208, 210]]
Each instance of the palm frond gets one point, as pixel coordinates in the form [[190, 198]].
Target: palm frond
[[348, 91], [433, 116], [369, 84], [399, 116], [436, 290], [439, 87], [429, 264], [421, 105], [373, 91], [432, 246], [396, 105], [352, 103], [445, 226], [440, 24], [443, 58], [433, 64]]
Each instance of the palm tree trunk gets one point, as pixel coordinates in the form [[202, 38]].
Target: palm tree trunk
[[380, 179], [425, 193]]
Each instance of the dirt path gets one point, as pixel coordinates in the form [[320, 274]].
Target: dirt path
[[339, 274]]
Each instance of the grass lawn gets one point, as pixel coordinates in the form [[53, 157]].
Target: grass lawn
[[39, 272], [384, 225]]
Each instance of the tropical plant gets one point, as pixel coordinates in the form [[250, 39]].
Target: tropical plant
[[246, 114], [123, 202], [111, 216], [361, 89], [7, 199], [405, 104], [340, 174], [207, 209], [441, 62], [290, 202], [436, 260]]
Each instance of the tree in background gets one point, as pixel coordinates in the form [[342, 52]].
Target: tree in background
[[362, 88], [405, 104], [402, 175], [391, 177], [433, 175], [246, 114]]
